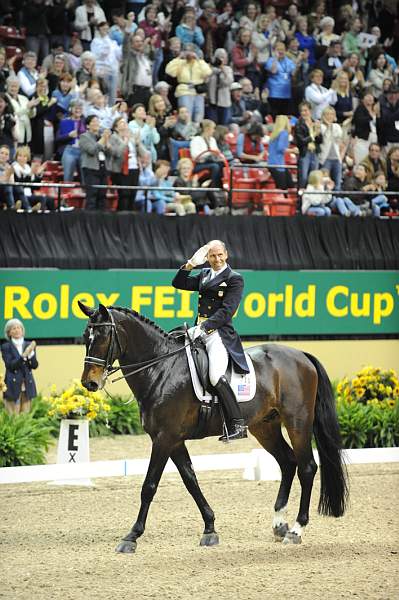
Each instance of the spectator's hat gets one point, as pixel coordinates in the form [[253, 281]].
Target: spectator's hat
[[235, 86], [393, 89], [209, 4]]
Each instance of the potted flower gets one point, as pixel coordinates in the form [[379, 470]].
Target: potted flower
[[368, 408], [75, 406]]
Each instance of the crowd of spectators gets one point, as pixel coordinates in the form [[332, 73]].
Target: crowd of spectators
[[172, 93]]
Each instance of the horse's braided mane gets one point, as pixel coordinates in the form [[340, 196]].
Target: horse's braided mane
[[142, 318]]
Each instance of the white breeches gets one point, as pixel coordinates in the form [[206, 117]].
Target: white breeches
[[218, 357]]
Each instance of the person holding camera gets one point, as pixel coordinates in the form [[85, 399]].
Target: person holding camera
[[19, 357], [191, 73], [219, 97]]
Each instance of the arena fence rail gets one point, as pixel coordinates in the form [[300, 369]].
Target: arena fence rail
[[257, 465]]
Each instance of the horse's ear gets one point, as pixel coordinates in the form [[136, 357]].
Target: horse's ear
[[103, 311], [86, 310]]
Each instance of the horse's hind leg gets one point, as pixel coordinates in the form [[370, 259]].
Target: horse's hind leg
[[270, 437], [181, 458], [302, 445]]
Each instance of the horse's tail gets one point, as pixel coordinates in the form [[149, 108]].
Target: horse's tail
[[334, 487]]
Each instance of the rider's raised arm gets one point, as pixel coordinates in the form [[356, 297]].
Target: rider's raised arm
[[183, 281]]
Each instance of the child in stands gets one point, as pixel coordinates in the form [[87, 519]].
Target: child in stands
[[26, 174], [174, 202], [315, 203]]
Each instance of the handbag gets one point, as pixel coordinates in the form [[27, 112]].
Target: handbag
[[201, 88]]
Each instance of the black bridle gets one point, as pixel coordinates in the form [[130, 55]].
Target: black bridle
[[106, 362], [109, 360]]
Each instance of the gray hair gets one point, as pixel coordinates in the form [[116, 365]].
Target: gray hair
[[86, 55], [9, 325], [12, 79], [161, 84], [217, 243], [220, 53], [327, 21]]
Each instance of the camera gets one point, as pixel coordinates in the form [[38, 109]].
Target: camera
[[218, 62]]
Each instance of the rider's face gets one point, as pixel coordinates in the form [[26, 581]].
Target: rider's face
[[217, 257]]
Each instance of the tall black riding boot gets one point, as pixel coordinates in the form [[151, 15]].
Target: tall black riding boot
[[236, 429]]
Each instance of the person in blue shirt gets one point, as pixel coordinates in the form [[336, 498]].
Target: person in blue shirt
[[306, 41], [121, 26], [279, 142], [64, 95], [280, 70], [144, 201], [172, 200], [188, 32]]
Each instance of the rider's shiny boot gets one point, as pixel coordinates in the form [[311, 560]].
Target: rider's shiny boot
[[236, 429]]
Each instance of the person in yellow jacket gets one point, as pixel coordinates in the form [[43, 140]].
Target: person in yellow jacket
[[191, 73]]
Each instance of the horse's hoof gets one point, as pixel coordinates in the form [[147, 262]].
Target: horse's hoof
[[292, 538], [209, 539], [280, 532], [126, 547]]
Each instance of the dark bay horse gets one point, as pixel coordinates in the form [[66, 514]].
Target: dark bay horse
[[292, 389]]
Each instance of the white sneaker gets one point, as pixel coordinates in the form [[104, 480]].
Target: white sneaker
[[66, 208]]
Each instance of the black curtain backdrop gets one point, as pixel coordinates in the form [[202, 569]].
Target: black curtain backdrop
[[82, 240]]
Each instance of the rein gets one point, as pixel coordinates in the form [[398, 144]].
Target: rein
[[147, 363], [137, 367]]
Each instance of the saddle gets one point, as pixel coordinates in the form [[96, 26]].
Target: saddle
[[201, 363], [243, 384]]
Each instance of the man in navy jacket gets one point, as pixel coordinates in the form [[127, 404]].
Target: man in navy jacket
[[220, 292]]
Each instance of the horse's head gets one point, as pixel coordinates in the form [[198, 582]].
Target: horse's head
[[103, 346]]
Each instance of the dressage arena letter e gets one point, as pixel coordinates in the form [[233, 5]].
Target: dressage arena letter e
[[72, 438]]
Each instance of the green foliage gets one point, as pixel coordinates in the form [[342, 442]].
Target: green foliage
[[123, 418], [369, 425], [368, 408], [40, 409], [23, 440]]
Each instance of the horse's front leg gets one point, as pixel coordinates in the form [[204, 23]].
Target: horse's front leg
[[161, 449], [182, 460]]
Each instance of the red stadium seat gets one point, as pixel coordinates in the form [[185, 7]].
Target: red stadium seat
[[278, 205], [244, 199], [74, 197], [13, 51]]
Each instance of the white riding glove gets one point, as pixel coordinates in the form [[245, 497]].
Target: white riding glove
[[199, 257], [196, 332]]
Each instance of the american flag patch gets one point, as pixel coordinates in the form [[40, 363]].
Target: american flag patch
[[243, 389]]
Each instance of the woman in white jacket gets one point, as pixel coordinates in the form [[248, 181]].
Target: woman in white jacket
[[332, 146], [23, 110], [318, 96], [87, 17], [204, 151]]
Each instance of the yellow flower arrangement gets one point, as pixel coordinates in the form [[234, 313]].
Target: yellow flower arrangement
[[76, 403], [371, 385]]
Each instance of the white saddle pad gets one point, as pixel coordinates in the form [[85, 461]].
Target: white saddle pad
[[243, 385]]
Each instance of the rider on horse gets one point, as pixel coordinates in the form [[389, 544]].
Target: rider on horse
[[220, 292]]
